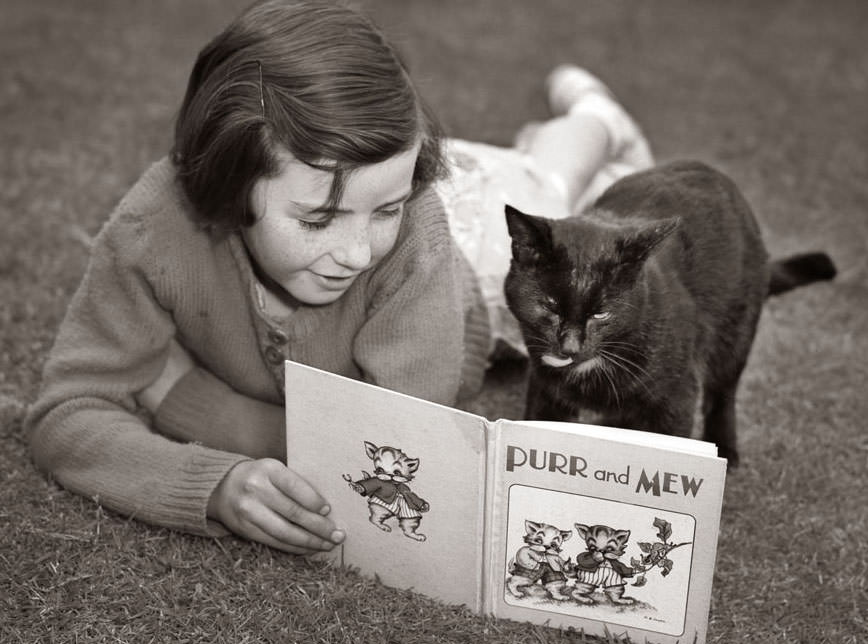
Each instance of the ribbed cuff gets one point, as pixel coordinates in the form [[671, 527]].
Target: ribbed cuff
[[186, 496]]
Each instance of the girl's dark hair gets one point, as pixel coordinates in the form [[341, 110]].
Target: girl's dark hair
[[317, 79]]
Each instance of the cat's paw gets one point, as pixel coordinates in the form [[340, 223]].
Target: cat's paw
[[554, 590], [623, 601], [581, 598], [516, 585], [382, 526]]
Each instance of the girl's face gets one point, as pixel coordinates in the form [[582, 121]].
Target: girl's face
[[315, 255]]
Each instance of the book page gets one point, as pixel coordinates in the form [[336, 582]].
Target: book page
[[605, 535], [649, 439], [404, 478]]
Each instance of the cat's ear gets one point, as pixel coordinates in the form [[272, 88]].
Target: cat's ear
[[531, 236], [412, 465], [530, 527], [635, 247], [582, 529], [370, 449], [566, 534], [622, 536]]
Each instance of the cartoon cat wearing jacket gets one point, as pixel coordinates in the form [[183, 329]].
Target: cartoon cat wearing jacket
[[387, 490], [540, 561]]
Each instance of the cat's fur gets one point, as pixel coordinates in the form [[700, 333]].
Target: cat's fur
[[646, 302]]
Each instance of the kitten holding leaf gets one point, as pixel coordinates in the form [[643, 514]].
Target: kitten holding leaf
[[647, 302]]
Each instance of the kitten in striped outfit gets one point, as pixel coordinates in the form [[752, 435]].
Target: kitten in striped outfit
[[387, 490], [598, 566]]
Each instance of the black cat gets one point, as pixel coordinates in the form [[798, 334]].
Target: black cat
[[647, 301]]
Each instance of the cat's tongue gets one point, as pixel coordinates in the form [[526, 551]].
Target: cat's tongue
[[554, 361]]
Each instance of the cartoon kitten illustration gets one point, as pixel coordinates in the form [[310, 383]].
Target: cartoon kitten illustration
[[598, 566], [387, 490], [540, 560]]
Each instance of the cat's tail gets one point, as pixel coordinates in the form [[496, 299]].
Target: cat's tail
[[798, 270]]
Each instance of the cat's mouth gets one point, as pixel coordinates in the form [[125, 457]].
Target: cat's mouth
[[559, 362], [395, 478], [556, 361]]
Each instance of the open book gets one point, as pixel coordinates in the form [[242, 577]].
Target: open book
[[601, 529]]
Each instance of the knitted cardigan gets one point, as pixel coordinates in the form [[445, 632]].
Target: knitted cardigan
[[415, 323]]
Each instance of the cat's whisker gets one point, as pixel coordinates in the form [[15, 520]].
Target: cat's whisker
[[604, 369], [619, 361], [624, 349], [627, 360], [624, 345], [624, 364]]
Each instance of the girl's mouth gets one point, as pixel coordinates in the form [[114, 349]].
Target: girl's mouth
[[336, 282]]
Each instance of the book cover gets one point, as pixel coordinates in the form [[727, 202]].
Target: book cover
[[627, 523], [601, 529]]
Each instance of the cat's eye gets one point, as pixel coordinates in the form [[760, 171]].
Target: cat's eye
[[601, 316], [550, 303]]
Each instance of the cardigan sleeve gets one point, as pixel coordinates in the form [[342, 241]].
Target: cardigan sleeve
[[236, 423], [413, 338], [85, 428]]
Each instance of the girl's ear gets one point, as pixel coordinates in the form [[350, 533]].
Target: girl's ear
[[531, 236], [638, 245]]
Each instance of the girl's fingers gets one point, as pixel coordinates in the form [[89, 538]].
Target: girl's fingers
[[265, 501], [322, 530], [277, 531], [254, 533], [295, 487]]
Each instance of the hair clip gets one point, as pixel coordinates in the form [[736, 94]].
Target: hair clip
[[261, 94]]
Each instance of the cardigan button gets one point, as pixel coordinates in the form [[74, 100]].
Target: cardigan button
[[276, 336], [273, 355]]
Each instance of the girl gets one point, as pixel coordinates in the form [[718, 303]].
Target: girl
[[294, 219]]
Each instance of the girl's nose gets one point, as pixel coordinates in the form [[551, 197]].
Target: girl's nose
[[353, 248]]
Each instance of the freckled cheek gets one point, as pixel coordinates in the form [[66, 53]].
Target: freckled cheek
[[383, 238], [285, 249]]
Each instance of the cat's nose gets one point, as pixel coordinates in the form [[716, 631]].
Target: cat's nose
[[571, 341]]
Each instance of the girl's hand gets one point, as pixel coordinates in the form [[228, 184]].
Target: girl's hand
[[265, 501]]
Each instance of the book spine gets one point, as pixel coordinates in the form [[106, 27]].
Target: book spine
[[487, 587]]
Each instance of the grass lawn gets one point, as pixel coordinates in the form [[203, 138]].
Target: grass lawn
[[775, 94]]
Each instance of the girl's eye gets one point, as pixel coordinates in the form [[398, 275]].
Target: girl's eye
[[391, 212], [602, 315], [315, 224]]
